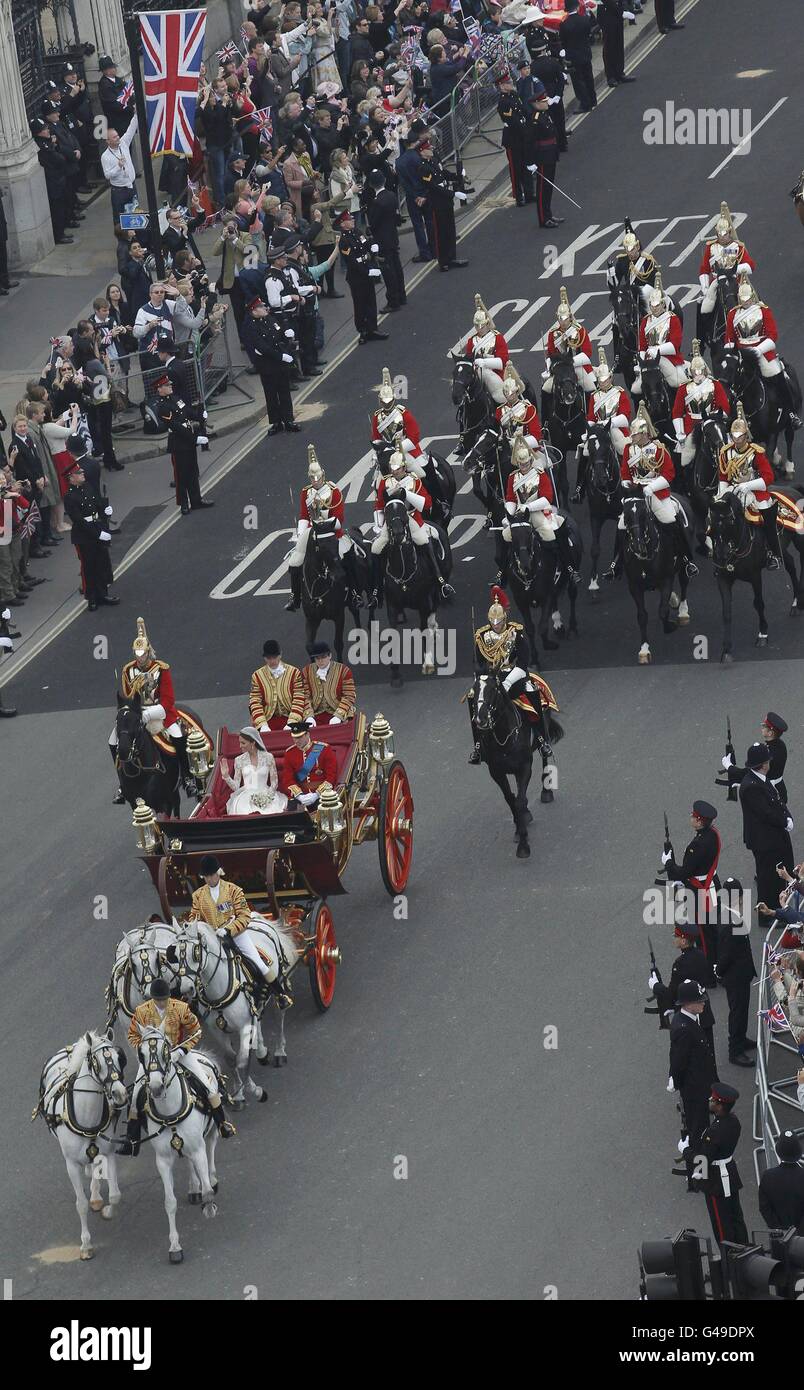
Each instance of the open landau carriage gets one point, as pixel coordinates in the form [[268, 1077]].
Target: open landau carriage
[[294, 858]]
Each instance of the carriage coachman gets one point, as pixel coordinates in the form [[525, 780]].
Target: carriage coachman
[[501, 646]]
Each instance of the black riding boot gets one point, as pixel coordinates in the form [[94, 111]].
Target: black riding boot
[[617, 364], [474, 757], [615, 568], [118, 799], [187, 779], [771, 529], [684, 546], [130, 1146], [295, 572], [447, 590], [785, 398], [580, 484], [225, 1127], [565, 553], [705, 324], [375, 580], [350, 570]]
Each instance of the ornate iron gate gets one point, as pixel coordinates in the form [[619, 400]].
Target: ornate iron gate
[[46, 35]]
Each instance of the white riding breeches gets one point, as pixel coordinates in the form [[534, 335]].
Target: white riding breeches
[[674, 376], [583, 375], [297, 554], [687, 450], [709, 299], [769, 369], [492, 382], [419, 535], [665, 509], [247, 943], [748, 499], [618, 439], [545, 526], [174, 730]]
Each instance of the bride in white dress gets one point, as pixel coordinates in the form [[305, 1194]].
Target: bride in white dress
[[255, 781]]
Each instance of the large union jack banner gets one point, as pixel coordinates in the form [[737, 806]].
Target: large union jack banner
[[173, 43]]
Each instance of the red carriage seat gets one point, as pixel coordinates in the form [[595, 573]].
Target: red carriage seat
[[340, 737]]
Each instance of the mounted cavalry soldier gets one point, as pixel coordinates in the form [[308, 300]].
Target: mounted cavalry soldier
[[391, 418], [724, 252], [330, 686], [751, 328], [489, 351], [501, 646], [632, 267], [151, 680], [277, 696], [530, 489], [660, 333], [698, 398], [608, 405], [647, 466], [744, 470], [399, 483], [568, 335], [183, 1031], [518, 413], [320, 500]]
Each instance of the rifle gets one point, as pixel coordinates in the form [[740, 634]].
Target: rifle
[[663, 1024], [725, 781], [662, 869]]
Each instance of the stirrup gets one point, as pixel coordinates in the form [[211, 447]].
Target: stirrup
[[613, 571], [225, 1127], [292, 606], [447, 590], [772, 562], [118, 799], [474, 757]]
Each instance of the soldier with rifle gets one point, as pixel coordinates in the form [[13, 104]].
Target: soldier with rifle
[[771, 731], [697, 872], [690, 964]]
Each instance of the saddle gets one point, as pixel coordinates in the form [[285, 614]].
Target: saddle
[[788, 516], [525, 701], [189, 725]]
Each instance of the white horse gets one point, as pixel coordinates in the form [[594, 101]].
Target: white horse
[[217, 977], [81, 1097], [174, 1124], [140, 958]]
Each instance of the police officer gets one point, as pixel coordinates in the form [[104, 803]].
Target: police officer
[[268, 349], [692, 1067], [772, 728], [185, 433], [735, 969], [362, 273], [690, 964], [781, 1189], [442, 190], [766, 824], [698, 873], [714, 1169], [610, 16], [91, 537], [68, 145], [56, 170], [76, 106], [515, 117], [385, 219]]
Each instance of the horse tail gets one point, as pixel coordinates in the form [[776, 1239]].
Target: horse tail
[[555, 729]]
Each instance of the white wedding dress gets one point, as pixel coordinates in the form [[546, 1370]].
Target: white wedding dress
[[254, 788]]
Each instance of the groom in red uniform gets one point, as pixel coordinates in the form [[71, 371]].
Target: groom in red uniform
[[306, 765]]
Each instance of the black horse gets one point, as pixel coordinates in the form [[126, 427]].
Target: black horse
[[725, 300], [439, 478], [531, 575], [474, 408], [506, 747], [767, 417], [488, 464], [409, 580], [650, 562], [325, 590], [142, 768], [739, 551], [603, 490], [656, 395], [625, 331], [564, 417], [702, 475]]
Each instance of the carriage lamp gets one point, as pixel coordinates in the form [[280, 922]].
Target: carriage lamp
[[381, 740], [198, 754], [144, 822], [330, 811]]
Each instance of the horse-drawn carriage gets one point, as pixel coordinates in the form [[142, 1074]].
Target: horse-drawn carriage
[[294, 858]]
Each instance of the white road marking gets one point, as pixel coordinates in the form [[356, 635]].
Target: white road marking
[[751, 133]]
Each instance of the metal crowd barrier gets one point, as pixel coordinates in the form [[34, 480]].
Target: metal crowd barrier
[[474, 98], [773, 1053], [207, 368]]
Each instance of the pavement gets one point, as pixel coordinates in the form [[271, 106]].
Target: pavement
[[531, 1167]]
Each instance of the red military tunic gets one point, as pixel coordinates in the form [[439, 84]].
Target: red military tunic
[[407, 423], [411, 485], [584, 344], [673, 335], [162, 691], [604, 405], [325, 770], [737, 335], [760, 466], [528, 421], [666, 468], [690, 410], [709, 264], [334, 508], [545, 489], [499, 350]]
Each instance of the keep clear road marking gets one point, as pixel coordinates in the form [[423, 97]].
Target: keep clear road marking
[[751, 132], [12, 667]]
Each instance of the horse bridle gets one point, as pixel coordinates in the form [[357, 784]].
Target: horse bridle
[[646, 556], [732, 556], [612, 473], [132, 762], [495, 704]]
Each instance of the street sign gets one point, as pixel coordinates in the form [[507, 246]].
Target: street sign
[[133, 221]]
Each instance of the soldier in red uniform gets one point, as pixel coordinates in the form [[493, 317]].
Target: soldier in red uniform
[[151, 680], [660, 334], [518, 413], [608, 405], [391, 418], [319, 501], [751, 327], [647, 467], [744, 469], [489, 351], [568, 335], [723, 253], [399, 483], [306, 764], [698, 398]]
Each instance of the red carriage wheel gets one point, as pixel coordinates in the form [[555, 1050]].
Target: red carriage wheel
[[395, 838], [325, 957], [162, 889]]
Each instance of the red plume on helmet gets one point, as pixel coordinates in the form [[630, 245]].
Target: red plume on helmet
[[497, 596]]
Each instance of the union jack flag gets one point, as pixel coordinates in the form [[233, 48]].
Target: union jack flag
[[229, 50], [262, 119], [775, 1018], [173, 42], [126, 95]]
